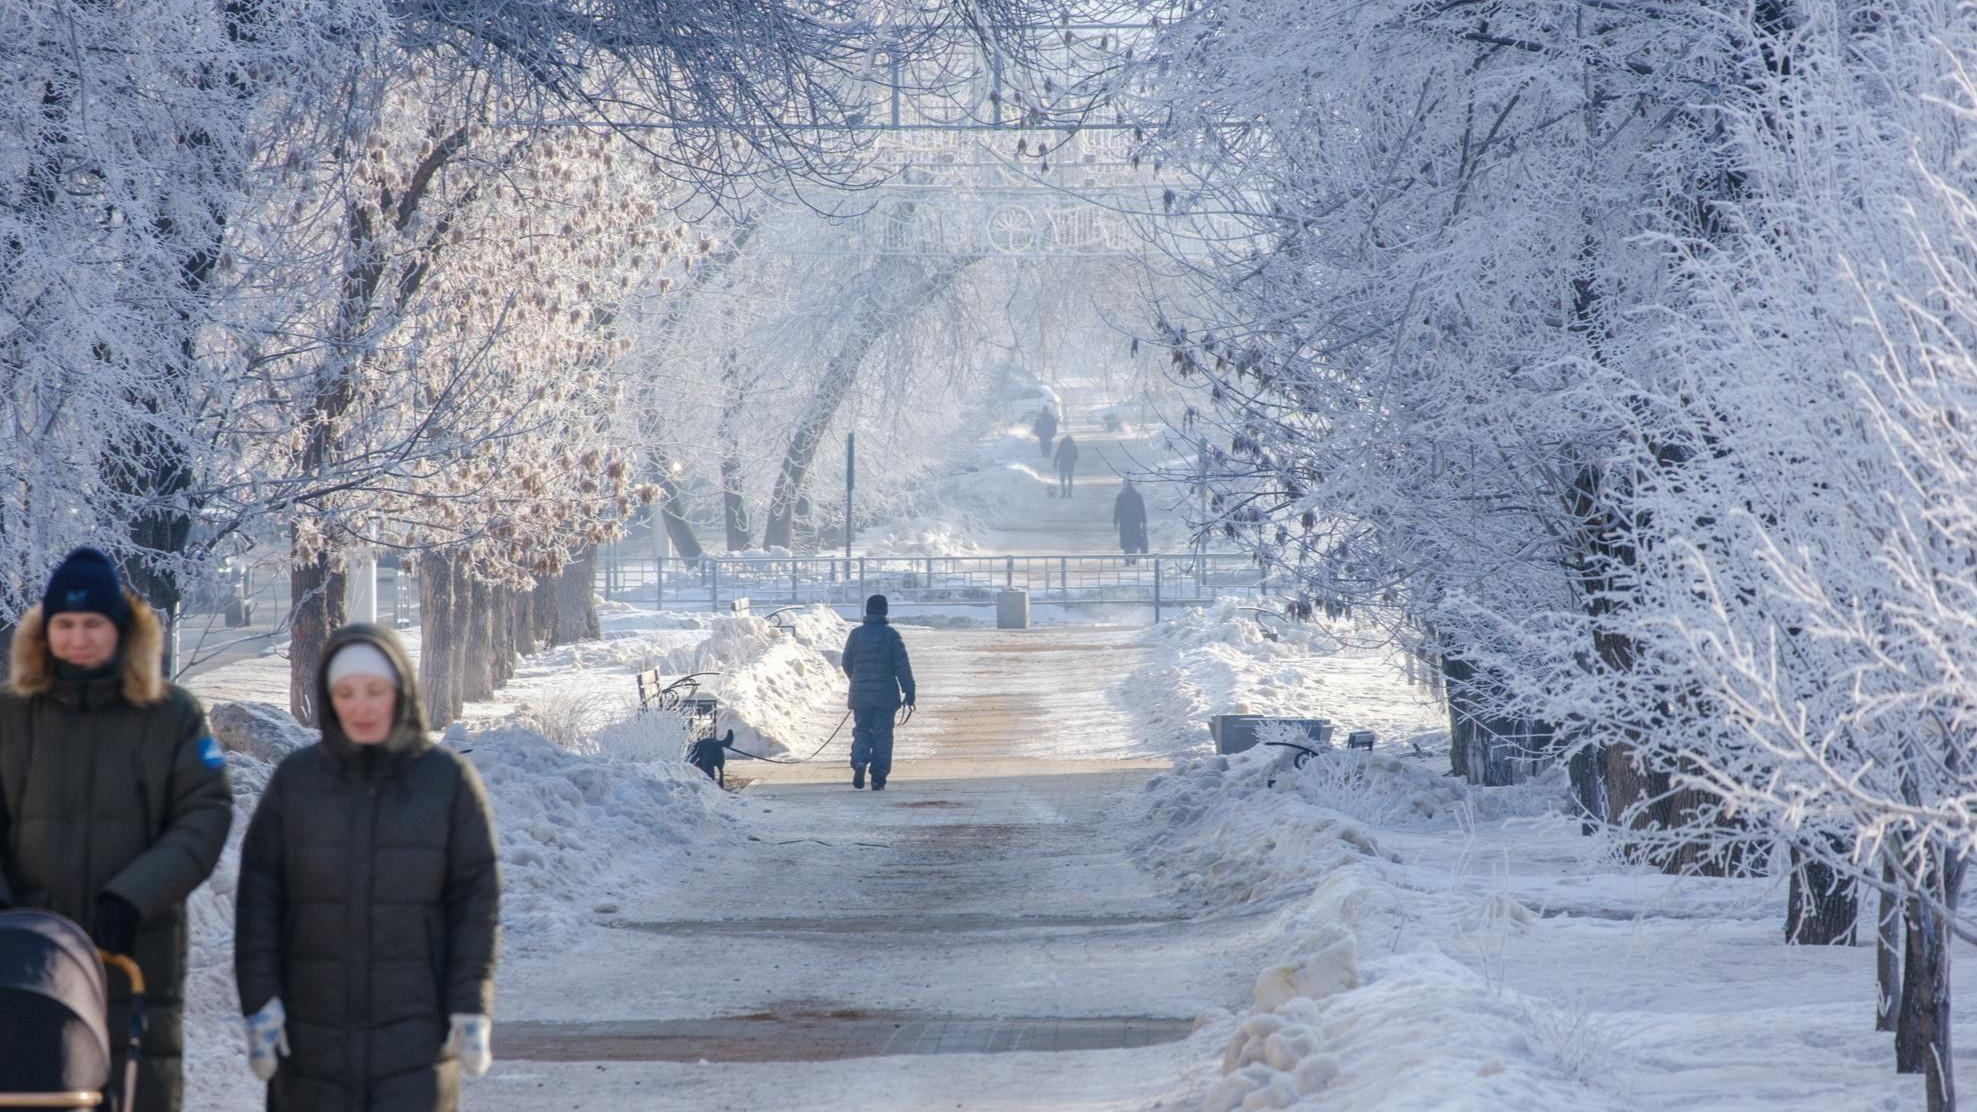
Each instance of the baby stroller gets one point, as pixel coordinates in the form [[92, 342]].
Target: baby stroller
[[54, 1019]]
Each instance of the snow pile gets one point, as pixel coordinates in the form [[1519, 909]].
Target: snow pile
[[1229, 659], [573, 827], [1002, 479], [216, 1047], [773, 685], [1217, 828], [260, 730], [1413, 1028], [1411, 1031], [1404, 790], [947, 534]]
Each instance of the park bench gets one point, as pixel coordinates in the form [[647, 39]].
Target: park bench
[[682, 697]]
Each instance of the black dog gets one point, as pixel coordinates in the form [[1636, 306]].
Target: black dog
[[710, 755]]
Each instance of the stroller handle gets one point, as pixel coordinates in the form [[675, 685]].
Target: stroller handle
[[128, 966], [134, 1050], [76, 1099]]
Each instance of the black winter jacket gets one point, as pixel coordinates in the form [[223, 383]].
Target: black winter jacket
[[875, 659], [112, 784], [368, 903]]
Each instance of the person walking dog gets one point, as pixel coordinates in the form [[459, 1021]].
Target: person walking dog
[[881, 680], [366, 915], [114, 802]]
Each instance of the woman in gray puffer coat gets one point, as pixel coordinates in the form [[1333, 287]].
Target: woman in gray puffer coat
[[366, 920]]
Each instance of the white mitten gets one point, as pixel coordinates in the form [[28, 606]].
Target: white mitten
[[472, 1039], [267, 1037]]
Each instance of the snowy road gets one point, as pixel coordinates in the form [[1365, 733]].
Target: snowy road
[[868, 946]]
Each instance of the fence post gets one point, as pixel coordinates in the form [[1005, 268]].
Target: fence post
[[1063, 579], [1156, 590], [860, 600], [1009, 573], [713, 586]]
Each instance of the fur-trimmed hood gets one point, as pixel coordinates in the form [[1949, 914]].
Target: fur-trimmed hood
[[142, 650]]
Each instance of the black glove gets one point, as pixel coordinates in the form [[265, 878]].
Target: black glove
[[115, 926]]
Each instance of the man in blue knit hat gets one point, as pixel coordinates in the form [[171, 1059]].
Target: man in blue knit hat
[[114, 802]]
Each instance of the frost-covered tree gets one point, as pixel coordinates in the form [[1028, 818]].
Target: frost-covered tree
[[1422, 224], [216, 219], [1813, 580], [1618, 352]]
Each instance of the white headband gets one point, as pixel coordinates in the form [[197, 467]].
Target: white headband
[[360, 658]]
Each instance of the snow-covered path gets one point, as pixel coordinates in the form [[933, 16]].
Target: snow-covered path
[[980, 903], [1082, 524]]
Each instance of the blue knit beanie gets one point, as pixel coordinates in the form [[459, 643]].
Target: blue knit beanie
[[86, 582]]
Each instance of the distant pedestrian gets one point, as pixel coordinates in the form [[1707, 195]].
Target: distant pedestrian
[[365, 919], [1067, 463], [114, 802], [1129, 514], [881, 680], [1046, 429]]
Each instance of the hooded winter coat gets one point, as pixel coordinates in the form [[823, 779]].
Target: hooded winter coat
[[368, 903], [875, 659], [1067, 456], [110, 783], [1129, 514]]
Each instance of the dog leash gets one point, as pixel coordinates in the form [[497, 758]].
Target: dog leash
[[800, 760]]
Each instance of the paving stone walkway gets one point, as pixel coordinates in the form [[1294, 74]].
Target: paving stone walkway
[[982, 904]]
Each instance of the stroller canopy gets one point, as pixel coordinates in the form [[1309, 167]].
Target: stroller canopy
[[52, 1012]]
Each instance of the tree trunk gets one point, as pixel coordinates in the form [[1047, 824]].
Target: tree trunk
[[871, 319], [459, 645], [478, 645], [734, 505], [1586, 769], [1887, 953], [672, 511], [1461, 720], [1482, 745], [317, 589], [435, 632], [542, 612], [1821, 907], [1922, 1030], [507, 631], [734, 502], [576, 600]]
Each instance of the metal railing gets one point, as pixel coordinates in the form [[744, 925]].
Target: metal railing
[[1161, 580]]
